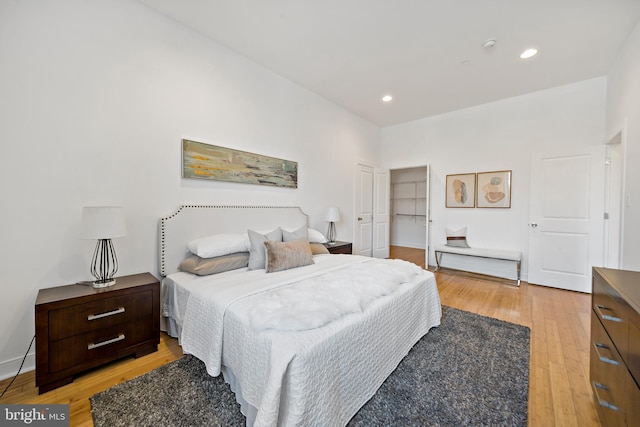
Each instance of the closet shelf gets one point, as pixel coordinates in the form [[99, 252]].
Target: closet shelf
[[409, 198]]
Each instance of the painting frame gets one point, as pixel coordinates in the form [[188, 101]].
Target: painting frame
[[216, 163], [493, 189], [460, 190]]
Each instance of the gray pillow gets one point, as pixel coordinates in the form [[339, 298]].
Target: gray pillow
[[300, 233], [257, 257]]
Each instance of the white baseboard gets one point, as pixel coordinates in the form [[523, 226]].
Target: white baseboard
[[9, 368], [412, 245]]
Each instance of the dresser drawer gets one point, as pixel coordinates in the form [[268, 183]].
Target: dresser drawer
[[97, 315], [609, 376], [611, 312], [77, 349], [633, 350]]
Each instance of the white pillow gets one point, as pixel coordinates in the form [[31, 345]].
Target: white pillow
[[218, 245], [457, 238], [316, 237]]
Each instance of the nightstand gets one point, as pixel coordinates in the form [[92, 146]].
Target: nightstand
[[340, 248], [79, 327]]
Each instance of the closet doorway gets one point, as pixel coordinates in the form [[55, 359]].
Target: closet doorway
[[409, 222]]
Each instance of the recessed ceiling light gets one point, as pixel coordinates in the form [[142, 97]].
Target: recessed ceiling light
[[489, 43], [528, 53], [387, 98]]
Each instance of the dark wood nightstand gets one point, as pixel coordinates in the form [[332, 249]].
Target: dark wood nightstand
[[340, 248], [79, 327]]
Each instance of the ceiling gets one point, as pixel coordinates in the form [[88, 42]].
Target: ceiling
[[427, 54]]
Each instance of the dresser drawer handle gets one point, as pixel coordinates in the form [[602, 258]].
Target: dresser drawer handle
[[598, 387], [107, 342], [606, 316], [107, 314], [602, 358]]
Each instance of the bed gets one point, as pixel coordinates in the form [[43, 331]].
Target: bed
[[299, 346]]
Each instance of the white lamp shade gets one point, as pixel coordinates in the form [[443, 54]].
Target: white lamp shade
[[333, 215], [103, 222]]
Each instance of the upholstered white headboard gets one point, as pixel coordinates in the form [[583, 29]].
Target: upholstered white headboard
[[193, 221]]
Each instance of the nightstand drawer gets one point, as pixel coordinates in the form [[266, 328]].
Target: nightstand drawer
[[96, 315], [77, 349]]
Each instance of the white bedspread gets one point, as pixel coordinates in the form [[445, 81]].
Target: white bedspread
[[316, 301], [311, 375]]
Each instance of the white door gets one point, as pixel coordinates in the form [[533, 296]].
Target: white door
[[381, 203], [566, 217], [363, 234]]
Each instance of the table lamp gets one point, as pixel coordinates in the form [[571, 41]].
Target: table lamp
[[103, 223], [333, 216]]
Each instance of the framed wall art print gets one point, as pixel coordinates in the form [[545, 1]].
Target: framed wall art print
[[461, 190], [494, 189]]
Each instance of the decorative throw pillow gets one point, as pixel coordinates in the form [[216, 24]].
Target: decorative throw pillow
[[205, 266], [218, 245], [286, 255], [257, 258], [318, 248], [457, 238], [316, 237], [300, 233]]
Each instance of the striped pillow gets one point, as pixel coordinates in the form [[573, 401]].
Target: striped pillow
[[286, 255], [457, 238]]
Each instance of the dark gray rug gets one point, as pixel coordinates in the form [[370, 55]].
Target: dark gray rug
[[472, 370]]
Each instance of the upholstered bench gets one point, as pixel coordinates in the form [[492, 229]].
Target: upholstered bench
[[503, 255]]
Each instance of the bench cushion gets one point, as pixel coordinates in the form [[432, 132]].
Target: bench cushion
[[481, 252]]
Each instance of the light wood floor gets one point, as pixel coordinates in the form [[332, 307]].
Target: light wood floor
[[559, 392]]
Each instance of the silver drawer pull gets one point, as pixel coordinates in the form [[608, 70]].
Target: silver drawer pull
[[601, 401], [107, 342], [606, 316], [602, 358], [107, 314]]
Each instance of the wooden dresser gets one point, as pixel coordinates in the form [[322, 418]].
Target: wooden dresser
[[79, 327], [615, 346]]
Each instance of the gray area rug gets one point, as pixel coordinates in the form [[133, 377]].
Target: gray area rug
[[472, 370]]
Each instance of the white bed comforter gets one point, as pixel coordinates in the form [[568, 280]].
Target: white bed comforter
[[306, 375]]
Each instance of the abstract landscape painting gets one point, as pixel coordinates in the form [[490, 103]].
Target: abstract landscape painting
[[205, 161]]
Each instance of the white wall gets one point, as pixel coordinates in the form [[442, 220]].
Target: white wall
[[623, 115], [94, 100], [497, 136]]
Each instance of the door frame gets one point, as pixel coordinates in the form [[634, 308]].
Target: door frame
[[428, 220], [614, 199]]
